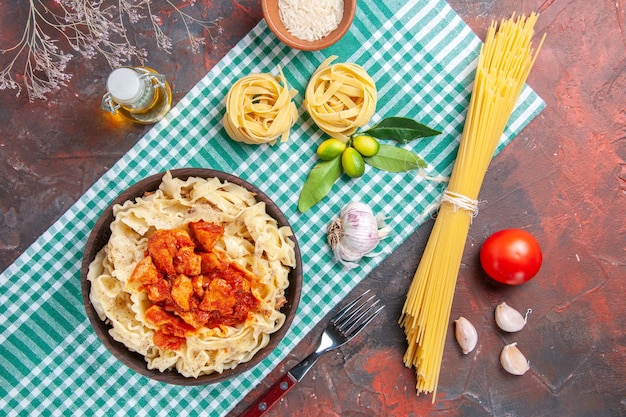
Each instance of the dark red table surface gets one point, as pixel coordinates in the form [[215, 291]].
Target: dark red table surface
[[563, 179]]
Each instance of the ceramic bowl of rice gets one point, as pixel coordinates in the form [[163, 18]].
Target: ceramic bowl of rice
[[309, 25]]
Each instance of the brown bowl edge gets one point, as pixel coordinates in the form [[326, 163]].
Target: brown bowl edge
[[270, 13], [100, 235]]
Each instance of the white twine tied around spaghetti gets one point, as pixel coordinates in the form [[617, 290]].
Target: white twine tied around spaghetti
[[460, 202]]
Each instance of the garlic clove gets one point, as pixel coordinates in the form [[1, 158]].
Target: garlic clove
[[509, 319], [466, 334], [513, 360]]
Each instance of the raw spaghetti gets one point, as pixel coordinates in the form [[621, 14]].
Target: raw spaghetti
[[505, 61]]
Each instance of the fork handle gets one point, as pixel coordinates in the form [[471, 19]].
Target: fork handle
[[271, 396]]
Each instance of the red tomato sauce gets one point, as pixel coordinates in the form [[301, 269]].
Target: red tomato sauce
[[190, 284]]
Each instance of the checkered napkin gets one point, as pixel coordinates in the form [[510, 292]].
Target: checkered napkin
[[421, 55]]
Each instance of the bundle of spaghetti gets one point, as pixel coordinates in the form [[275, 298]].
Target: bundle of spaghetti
[[259, 109], [504, 63]]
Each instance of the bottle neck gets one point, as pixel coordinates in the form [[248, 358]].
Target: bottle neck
[[131, 88]]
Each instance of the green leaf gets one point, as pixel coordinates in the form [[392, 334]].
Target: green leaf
[[400, 129], [319, 182], [394, 159]]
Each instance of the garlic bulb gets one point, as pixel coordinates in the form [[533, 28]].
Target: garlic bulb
[[465, 334], [355, 233], [509, 319], [513, 361]]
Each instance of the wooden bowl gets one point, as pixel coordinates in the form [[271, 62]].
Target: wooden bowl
[[100, 236], [276, 25]]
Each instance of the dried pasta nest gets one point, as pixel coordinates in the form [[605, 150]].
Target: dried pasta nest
[[259, 109], [340, 98]]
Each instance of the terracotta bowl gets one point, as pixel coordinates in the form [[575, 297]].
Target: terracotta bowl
[[272, 17], [100, 236]]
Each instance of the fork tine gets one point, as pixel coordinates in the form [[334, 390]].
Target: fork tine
[[356, 315], [355, 330], [351, 316], [348, 307]]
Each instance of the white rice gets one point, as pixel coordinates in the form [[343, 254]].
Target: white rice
[[310, 20]]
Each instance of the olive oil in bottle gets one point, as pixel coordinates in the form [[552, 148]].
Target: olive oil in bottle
[[138, 93]]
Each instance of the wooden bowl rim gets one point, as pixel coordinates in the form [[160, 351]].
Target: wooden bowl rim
[[272, 17], [99, 236]]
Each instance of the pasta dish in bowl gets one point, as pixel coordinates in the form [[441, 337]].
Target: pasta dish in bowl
[[191, 276]]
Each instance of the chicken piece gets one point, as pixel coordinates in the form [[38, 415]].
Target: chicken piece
[[245, 302], [280, 302], [218, 297], [211, 262], [197, 284], [187, 261], [196, 318], [240, 278], [207, 234], [166, 322], [158, 292], [167, 341], [145, 273], [163, 245], [156, 316], [182, 289]]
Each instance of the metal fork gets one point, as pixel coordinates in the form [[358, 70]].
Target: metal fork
[[345, 325]]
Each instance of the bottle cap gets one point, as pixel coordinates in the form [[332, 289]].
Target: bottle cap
[[125, 86]]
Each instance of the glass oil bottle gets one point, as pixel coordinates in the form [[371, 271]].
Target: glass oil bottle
[[140, 94]]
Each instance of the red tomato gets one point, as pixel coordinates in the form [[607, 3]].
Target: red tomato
[[511, 256]]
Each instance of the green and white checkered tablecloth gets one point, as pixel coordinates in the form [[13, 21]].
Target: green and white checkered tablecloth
[[422, 57]]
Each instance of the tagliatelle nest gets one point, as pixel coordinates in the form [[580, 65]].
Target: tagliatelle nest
[[259, 109], [340, 98]]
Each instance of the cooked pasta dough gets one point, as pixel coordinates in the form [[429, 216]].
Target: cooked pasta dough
[[239, 234], [259, 109], [340, 98]]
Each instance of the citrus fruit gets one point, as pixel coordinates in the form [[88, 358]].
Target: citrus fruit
[[330, 149], [366, 145], [352, 162]]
